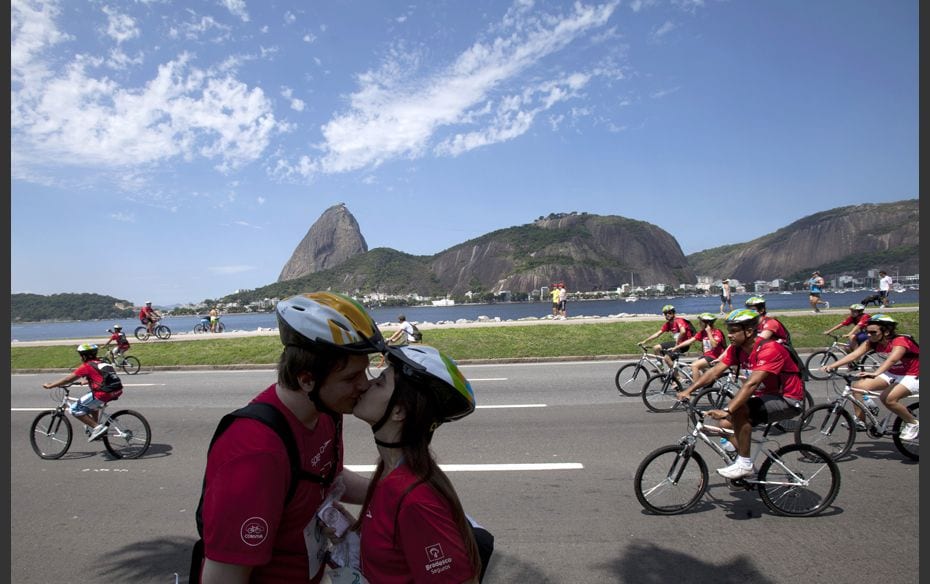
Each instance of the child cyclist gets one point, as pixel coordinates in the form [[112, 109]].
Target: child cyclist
[[119, 337], [86, 408], [712, 344], [858, 319]]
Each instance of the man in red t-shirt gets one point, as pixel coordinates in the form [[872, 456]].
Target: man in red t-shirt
[[149, 316], [712, 344], [86, 408], [897, 377], [252, 531], [677, 326], [858, 319], [769, 326], [773, 391]]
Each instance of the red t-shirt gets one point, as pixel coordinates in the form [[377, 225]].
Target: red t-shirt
[[247, 478], [779, 332], [862, 321], [774, 359], [679, 329], [120, 339], [708, 349], [146, 313], [909, 363], [95, 379], [425, 544]]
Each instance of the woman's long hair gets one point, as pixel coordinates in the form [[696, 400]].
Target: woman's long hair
[[420, 407]]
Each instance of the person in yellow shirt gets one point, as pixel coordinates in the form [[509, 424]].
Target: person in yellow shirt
[[554, 293]]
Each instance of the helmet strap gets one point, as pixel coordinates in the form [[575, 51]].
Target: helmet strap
[[387, 413], [389, 444]]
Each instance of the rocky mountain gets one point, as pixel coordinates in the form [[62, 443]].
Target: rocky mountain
[[330, 241], [845, 239]]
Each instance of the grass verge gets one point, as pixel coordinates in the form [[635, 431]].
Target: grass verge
[[464, 344]]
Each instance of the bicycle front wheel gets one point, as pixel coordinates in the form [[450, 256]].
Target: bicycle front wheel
[[818, 360], [50, 435], [670, 480], [220, 327], [798, 480], [128, 435], [659, 395], [829, 427], [712, 398], [130, 365], [199, 328], [631, 379], [163, 332], [142, 333], [909, 448]]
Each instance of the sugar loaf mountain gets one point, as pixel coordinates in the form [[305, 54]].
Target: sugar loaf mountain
[[595, 252]]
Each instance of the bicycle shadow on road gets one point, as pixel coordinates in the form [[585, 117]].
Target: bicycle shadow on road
[[154, 451], [646, 562], [155, 560]]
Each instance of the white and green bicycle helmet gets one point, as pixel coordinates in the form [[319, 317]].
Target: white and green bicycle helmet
[[857, 307], [327, 318], [440, 375], [707, 317], [87, 351], [743, 316], [755, 301], [668, 308]]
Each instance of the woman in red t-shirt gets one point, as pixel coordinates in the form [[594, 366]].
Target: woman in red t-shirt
[[413, 528], [897, 377]]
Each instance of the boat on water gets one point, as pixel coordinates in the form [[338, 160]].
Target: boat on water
[[631, 298], [444, 302]]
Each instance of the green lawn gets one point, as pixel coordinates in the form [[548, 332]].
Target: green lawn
[[490, 342]]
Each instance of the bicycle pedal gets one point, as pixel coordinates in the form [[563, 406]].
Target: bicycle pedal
[[739, 485]]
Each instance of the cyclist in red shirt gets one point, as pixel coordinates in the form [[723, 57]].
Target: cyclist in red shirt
[[897, 377], [149, 316], [85, 409], [773, 391], [252, 531], [677, 326], [411, 506], [119, 337], [769, 326], [712, 344], [858, 319]]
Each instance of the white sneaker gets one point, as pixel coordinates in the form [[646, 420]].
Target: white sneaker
[[735, 471], [910, 431], [98, 431], [827, 303]]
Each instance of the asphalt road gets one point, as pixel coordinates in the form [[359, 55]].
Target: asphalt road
[[94, 519]]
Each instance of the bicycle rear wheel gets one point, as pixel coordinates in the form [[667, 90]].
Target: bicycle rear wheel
[[712, 398], [200, 328], [659, 395], [798, 480], [818, 360], [631, 379], [869, 362], [142, 333], [670, 480], [130, 365], [163, 332], [128, 435], [220, 327], [829, 427], [909, 448], [50, 435]]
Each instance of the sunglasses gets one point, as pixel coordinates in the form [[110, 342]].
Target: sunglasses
[[735, 329]]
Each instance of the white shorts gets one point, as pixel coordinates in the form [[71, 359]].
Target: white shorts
[[911, 382]]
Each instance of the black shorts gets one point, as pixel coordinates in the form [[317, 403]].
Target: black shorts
[[669, 344], [767, 409], [815, 294]]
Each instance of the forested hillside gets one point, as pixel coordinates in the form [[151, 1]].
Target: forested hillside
[[84, 306]]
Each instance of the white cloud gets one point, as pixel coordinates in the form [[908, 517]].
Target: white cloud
[[664, 92], [289, 17], [261, 200], [309, 38], [395, 114], [120, 27], [124, 217], [665, 28], [237, 8]]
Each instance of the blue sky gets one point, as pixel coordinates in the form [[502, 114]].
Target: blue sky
[[177, 151]]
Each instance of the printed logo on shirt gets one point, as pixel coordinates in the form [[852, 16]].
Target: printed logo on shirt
[[436, 560], [315, 461], [254, 531]]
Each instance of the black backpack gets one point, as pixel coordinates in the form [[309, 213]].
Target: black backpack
[[417, 335], [691, 327], [111, 381], [274, 419], [803, 373]]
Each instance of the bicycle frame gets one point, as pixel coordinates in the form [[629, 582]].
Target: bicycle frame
[[877, 427]]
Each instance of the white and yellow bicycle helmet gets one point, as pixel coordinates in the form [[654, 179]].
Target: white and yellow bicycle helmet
[[330, 319], [440, 374]]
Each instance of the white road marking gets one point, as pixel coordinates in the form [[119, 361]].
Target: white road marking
[[486, 467], [488, 379], [513, 406]]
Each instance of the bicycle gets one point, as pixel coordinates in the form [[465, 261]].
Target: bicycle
[[795, 480], [128, 433], [631, 378], [660, 392], [161, 331], [204, 327], [836, 351], [718, 395], [832, 426], [128, 363]]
